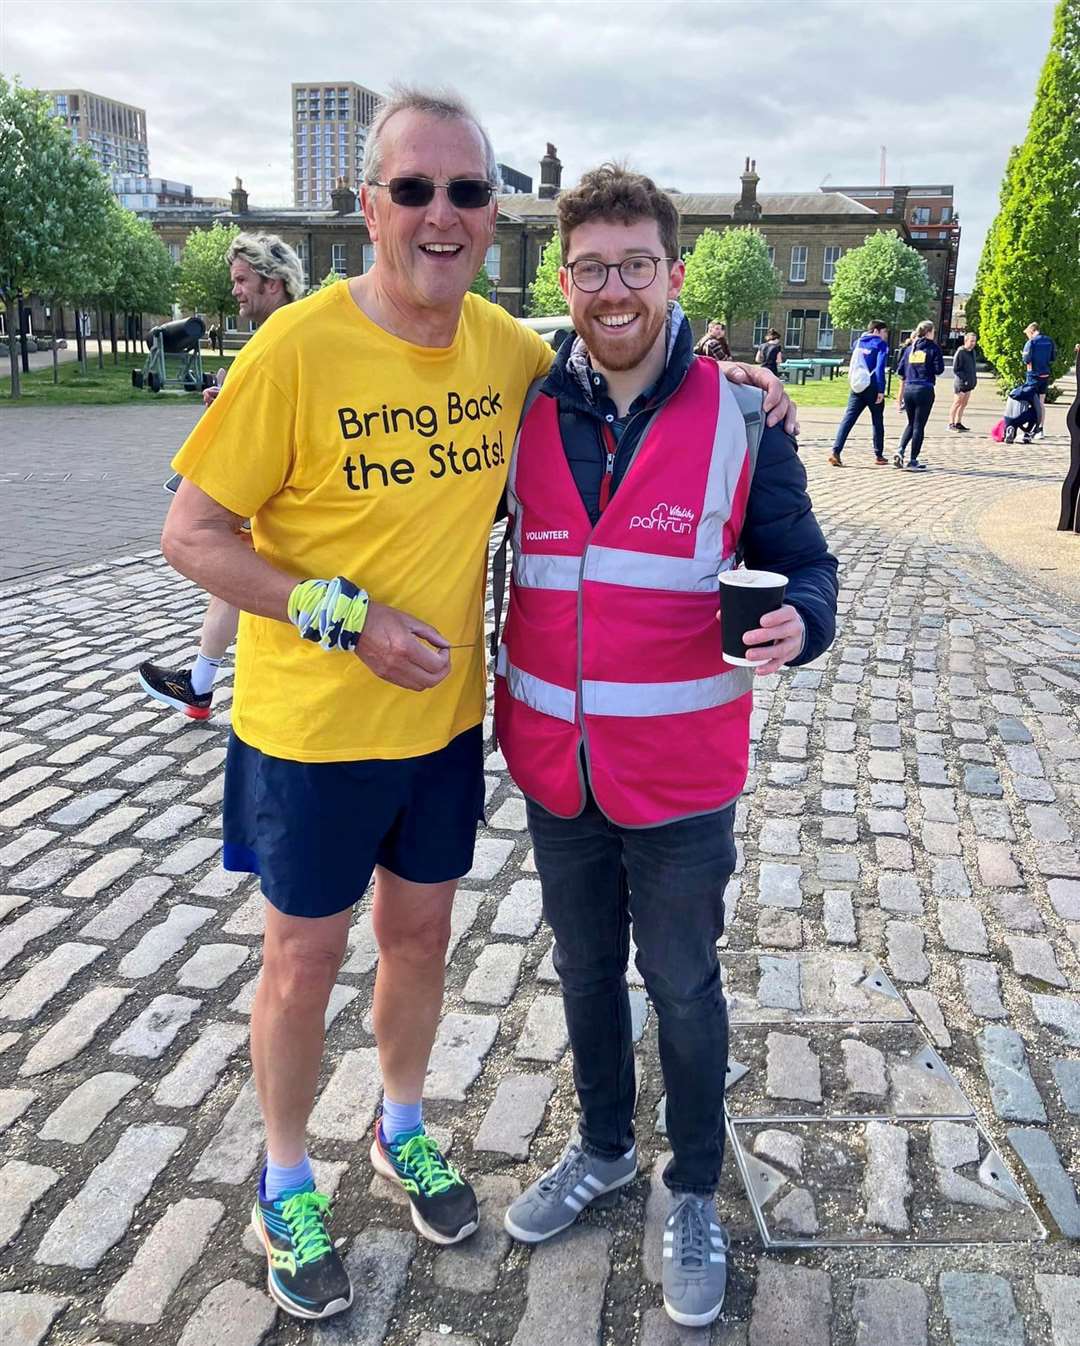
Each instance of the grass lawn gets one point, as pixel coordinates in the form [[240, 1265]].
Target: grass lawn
[[97, 387], [820, 392]]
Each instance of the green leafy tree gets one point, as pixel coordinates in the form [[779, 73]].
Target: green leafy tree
[[1032, 272], [53, 210], [729, 275], [146, 279], [986, 260], [545, 297], [481, 284], [865, 282], [203, 284]]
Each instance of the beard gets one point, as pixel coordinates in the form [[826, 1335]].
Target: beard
[[619, 353]]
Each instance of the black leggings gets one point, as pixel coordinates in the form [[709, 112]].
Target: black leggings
[[918, 401]]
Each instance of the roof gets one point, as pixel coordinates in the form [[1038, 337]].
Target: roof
[[523, 206]]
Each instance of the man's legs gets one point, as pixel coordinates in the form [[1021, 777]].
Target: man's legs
[[877, 417], [218, 633], [855, 404]]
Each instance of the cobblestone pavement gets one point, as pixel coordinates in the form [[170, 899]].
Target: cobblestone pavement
[[911, 820]]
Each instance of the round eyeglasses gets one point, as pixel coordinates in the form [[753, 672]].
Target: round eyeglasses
[[636, 273], [463, 193]]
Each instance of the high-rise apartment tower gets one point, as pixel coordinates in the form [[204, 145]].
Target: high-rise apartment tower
[[115, 132], [330, 126]]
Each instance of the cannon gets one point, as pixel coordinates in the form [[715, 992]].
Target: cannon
[[174, 358]]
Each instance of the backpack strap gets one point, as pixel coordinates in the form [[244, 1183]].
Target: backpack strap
[[498, 560]]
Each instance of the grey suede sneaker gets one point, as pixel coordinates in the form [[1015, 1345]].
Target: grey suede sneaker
[[557, 1197], [695, 1262]]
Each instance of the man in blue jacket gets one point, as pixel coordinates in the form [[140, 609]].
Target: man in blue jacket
[[1038, 357], [869, 354], [634, 349]]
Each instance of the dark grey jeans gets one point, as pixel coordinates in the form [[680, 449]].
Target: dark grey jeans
[[667, 883]]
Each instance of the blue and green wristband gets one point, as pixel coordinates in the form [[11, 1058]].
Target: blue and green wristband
[[331, 613]]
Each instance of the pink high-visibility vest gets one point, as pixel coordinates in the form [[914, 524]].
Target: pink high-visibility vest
[[612, 650]]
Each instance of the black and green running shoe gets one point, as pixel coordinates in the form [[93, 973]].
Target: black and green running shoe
[[304, 1272], [443, 1204]]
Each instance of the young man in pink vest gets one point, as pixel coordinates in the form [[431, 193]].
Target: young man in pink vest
[[633, 484]]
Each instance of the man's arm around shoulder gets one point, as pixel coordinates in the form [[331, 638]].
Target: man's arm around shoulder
[[781, 533]]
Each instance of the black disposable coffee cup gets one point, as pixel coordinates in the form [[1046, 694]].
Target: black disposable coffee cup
[[745, 597]]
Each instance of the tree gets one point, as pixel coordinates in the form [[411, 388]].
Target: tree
[[729, 275], [203, 283], [1034, 244], [482, 283], [865, 282], [986, 259], [545, 297], [331, 278], [146, 282], [53, 209]]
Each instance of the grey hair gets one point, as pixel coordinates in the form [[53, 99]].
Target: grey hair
[[272, 258], [441, 103]]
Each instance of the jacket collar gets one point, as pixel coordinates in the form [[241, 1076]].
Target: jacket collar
[[571, 379]]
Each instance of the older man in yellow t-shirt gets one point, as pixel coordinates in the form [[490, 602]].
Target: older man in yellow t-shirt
[[366, 431]]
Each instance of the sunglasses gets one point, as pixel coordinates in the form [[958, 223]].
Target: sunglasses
[[462, 193]]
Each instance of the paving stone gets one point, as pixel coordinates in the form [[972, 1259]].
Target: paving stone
[[982, 780], [212, 965], [906, 943], [780, 885], [1061, 1300], [462, 917], [1065, 898], [886, 1180], [123, 911], [99, 1215], [982, 988], [572, 1272], [1043, 1163], [82, 809], [189, 856], [1067, 1075], [33, 804], [997, 868], [34, 924], [839, 916], [167, 1254], [169, 823], [1017, 911], [346, 1107], [939, 806], [780, 984], [87, 1106], [962, 927], [941, 838], [1012, 1090], [234, 1149], [780, 1147], [13, 1103], [461, 1043], [232, 1314], [519, 911], [495, 977], [792, 1069], [489, 857], [67, 1038], [514, 1115], [779, 929], [890, 1312], [1035, 958], [25, 1319], [379, 1261], [949, 878], [894, 853], [21, 1186], [164, 941], [544, 1036], [779, 836], [865, 1068], [792, 1306], [47, 978], [928, 1009], [153, 1031], [47, 871], [900, 892], [473, 1266], [197, 1071], [886, 765], [980, 1309]]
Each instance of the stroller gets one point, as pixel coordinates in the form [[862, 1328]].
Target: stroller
[[1021, 413]]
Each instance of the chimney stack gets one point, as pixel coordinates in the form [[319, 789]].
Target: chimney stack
[[343, 198], [899, 202], [239, 199], [550, 174], [748, 207]]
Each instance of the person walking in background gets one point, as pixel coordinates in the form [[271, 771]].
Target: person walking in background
[[771, 352], [866, 375], [715, 343], [1039, 354], [921, 361], [965, 377]]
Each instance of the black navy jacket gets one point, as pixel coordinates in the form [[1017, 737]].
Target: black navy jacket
[[780, 531]]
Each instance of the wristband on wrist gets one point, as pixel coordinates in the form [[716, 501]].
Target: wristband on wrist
[[331, 613]]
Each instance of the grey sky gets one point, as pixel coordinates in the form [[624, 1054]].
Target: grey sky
[[684, 91]]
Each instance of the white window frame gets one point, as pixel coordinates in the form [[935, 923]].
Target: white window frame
[[921, 215], [826, 333], [493, 262], [230, 323], [799, 329], [772, 255], [761, 326], [368, 258], [800, 252], [830, 257], [338, 262]]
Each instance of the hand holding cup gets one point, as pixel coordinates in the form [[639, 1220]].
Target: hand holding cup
[[759, 630]]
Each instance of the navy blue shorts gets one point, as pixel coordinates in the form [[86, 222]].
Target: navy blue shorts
[[314, 831]]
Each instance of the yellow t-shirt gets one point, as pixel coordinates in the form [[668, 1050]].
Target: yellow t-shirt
[[355, 453]]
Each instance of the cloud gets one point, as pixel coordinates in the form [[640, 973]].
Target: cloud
[[684, 91]]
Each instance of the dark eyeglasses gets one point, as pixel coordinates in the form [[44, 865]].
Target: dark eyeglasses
[[636, 273], [463, 193]]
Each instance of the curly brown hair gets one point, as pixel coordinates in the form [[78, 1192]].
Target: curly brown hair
[[612, 192]]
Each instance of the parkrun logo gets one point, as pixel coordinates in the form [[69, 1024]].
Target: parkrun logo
[[665, 519]]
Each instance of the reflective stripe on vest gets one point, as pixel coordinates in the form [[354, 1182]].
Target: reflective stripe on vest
[[612, 565], [546, 697]]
